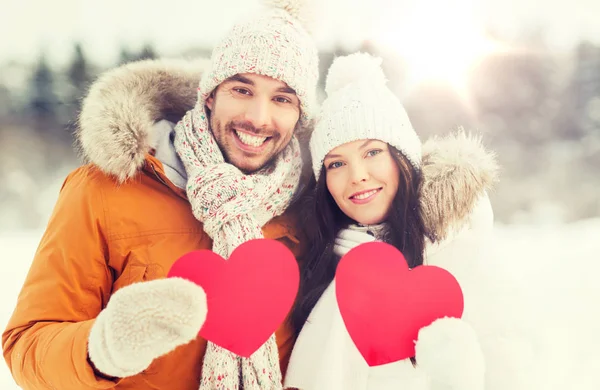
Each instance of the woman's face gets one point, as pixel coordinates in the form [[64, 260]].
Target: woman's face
[[362, 177]]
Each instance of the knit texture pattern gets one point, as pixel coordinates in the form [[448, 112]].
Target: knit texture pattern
[[276, 45], [360, 106]]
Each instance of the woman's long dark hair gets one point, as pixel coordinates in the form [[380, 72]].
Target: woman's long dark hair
[[322, 219]]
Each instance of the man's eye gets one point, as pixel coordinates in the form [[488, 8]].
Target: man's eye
[[282, 100], [243, 91]]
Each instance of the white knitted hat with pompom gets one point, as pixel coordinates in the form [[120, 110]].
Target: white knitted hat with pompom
[[360, 106], [275, 43]]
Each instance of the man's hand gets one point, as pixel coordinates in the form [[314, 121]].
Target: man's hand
[[144, 321]]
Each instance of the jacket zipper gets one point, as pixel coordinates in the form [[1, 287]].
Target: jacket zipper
[[157, 175]]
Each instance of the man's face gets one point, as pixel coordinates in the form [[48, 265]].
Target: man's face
[[253, 118]]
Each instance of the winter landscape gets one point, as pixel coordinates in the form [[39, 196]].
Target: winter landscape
[[526, 79]]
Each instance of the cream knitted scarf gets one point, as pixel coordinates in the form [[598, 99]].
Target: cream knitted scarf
[[233, 207]]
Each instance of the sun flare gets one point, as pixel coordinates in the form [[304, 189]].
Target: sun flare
[[441, 42]]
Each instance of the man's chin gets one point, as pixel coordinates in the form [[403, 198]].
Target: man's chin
[[248, 167], [251, 163]]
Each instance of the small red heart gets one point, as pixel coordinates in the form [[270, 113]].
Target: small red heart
[[384, 304], [248, 296]]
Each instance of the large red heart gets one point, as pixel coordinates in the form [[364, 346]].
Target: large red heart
[[384, 304], [248, 296]]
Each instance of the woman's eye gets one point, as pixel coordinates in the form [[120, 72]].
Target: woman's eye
[[373, 152], [334, 165]]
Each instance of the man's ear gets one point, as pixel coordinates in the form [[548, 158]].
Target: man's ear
[[210, 101]]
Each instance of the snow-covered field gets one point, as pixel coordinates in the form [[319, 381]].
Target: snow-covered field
[[18, 249], [552, 274]]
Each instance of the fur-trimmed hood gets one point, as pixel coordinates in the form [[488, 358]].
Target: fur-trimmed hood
[[457, 172], [117, 118], [119, 112]]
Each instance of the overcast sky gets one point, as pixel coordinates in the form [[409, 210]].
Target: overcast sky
[[26, 26]]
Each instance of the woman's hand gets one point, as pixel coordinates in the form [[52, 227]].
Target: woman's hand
[[449, 353]]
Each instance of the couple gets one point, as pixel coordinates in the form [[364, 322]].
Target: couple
[[96, 312]]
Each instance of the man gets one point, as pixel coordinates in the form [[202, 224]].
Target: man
[[152, 192]]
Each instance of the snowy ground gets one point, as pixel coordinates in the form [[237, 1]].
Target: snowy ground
[[18, 249], [560, 263]]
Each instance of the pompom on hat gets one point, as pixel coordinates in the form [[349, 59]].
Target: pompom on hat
[[275, 44], [360, 106]]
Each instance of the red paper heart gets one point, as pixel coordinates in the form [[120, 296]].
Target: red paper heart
[[384, 304], [248, 296]]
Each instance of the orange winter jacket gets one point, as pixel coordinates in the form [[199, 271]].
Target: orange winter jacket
[[102, 236]]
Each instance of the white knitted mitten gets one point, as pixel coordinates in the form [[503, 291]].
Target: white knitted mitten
[[144, 321], [449, 352]]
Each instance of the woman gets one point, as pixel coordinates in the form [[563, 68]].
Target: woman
[[375, 181]]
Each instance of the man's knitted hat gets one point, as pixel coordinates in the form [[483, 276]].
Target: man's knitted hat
[[360, 106], [273, 44]]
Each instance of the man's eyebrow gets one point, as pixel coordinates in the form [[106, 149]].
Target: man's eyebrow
[[286, 90], [245, 80], [241, 79]]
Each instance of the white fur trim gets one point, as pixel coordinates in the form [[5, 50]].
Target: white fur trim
[[457, 171], [122, 106]]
